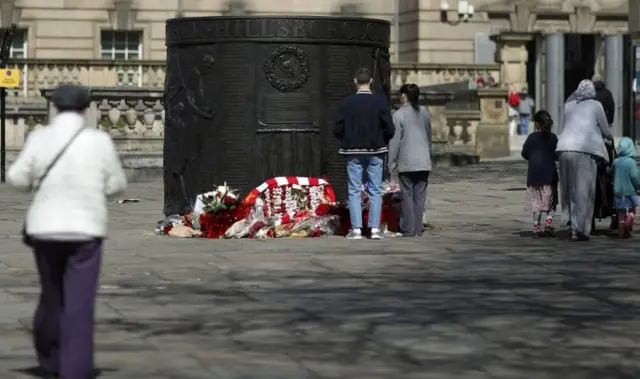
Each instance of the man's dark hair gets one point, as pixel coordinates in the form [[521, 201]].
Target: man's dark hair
[[363, 76]]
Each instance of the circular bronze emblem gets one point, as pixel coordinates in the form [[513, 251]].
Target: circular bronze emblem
[[287, 68]]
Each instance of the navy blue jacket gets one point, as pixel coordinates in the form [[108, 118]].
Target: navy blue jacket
[[540, 150], [364, 124]]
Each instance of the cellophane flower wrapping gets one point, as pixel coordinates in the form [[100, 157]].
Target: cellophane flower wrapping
[[250, 225]]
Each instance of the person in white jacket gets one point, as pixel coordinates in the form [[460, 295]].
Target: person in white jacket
[[66, 223]]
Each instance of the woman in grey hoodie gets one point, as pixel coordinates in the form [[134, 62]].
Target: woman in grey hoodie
[[410, 156]]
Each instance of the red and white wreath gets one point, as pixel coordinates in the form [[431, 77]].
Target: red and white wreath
[[287, 195]]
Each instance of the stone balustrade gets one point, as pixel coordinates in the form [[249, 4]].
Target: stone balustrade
[[428, 74], [20, 119], [462, 126], [133, 116], [38, 74]]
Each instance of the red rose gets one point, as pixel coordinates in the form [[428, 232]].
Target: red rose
[[229, 200], [214, 225], [323, 209], [167, 229]]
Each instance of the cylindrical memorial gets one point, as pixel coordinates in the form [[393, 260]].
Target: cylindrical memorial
[[249, 98]]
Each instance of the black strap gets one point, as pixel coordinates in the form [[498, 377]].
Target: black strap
[[56, 158]]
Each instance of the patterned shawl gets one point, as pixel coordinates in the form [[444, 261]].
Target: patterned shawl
[[585, 91]]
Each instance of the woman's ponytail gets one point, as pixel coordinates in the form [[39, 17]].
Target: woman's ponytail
[[412, 92]]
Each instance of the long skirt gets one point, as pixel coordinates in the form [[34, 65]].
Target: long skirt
[[64, 320], [541, 198], [578, 173]]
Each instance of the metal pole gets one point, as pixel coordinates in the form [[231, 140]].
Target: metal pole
[[396, 27], [554, 81], [613, 74], [180, 9], [3, 134]]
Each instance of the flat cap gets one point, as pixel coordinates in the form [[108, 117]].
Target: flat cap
[[71, 97]]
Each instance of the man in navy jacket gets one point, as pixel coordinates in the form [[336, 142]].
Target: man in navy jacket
[[364, 127]]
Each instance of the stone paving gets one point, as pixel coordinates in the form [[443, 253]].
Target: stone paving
[[475, 298]]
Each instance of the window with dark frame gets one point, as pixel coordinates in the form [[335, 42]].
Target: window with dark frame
[[20, 45], [121, 45]]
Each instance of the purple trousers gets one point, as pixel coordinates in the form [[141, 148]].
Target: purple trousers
[[64, 320]]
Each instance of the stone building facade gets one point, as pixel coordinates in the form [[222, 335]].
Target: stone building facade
[[134, 29], [575, 38]]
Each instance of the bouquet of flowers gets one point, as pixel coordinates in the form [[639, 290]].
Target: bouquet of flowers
[[221, 199]]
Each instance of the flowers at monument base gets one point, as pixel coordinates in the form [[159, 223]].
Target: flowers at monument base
[[280, 207]]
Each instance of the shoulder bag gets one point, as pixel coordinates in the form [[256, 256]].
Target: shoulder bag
[[26, 238]]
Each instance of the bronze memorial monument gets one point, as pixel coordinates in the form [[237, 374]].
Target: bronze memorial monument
[[249, 98]]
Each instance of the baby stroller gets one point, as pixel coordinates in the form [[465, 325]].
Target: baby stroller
[[603, 206]]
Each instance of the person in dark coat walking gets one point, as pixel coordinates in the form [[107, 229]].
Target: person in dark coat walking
[[604, 188], [72, 169], [542, 176], [604, 97]]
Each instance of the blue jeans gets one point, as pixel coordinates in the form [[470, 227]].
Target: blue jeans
[[524, 124], [373, 164]]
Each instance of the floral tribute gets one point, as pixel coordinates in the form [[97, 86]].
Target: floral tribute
[[279, 207]]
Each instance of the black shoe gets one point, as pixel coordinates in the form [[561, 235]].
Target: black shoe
[[579, 237], [549, 231]]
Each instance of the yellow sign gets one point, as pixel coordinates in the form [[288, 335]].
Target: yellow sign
[[9, 78]]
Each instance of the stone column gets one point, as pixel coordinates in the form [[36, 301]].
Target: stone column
[[613, 74], [634, 17], [492, 136], [554, 81], [436, 102], [511, 53]]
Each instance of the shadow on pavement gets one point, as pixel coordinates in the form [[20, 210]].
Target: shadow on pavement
[[536, 311]]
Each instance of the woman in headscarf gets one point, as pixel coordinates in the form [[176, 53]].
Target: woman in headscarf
[[580, 146]]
